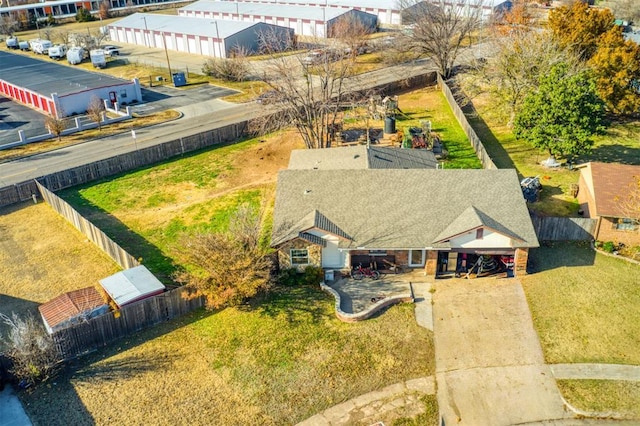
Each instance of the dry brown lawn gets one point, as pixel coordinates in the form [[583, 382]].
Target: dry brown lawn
[[43, 256]]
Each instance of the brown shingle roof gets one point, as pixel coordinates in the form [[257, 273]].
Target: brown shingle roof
[[611, 181], [70, 305]]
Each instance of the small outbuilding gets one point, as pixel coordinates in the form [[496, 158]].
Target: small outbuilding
[[72, 308], [304, 20], [131, 285], [219, 38], [59, 90]]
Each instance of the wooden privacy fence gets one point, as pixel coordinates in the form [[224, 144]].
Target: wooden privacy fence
[[478, 147], [564, 228], [98, 332], [123, 162], [92, 232]]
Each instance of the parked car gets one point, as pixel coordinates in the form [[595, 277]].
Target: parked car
[[269, 97], [111, 50], [318, 56]]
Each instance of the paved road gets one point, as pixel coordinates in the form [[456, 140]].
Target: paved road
[[489, 364]]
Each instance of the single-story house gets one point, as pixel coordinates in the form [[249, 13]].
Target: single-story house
[[303, 20], [422, 218], [72, 308], [218, 38], [131, 285], [601, 189], [362, 157]]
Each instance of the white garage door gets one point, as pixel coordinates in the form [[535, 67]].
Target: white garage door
[[192, 45], [180, 43], [204, 47]]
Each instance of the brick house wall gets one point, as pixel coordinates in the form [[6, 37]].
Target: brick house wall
[[587, 203], [607, 232], [284, 251]]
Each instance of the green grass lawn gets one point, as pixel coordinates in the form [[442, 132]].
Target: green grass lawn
[[147, 211], [605, 396], [275, 361], [430, 104], [584, 305], [620, 144]]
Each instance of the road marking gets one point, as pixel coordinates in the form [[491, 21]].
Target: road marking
[[21, 173]]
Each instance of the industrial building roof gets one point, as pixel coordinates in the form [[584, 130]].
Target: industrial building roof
[[184, 25], [257, 9], [371, 4], [45, 77]]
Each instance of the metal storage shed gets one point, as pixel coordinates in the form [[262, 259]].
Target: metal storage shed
[[304, 20], [59, 90], [71, 308], [131, 285], [199, 36], [387, 11]]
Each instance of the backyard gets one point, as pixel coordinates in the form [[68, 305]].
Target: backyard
[[585, 309]]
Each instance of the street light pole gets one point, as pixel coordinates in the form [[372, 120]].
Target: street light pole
[[218, 38]]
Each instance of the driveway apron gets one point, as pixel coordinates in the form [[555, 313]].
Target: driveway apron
[[489, 364]]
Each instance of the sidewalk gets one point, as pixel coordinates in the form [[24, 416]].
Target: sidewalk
[[11, 411]]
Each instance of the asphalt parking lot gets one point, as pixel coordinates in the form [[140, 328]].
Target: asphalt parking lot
[[15, 117]]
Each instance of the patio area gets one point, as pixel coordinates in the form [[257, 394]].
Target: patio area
[[357, 300]]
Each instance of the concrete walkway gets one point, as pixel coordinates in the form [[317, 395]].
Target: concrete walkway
[[596, 371], [394, 401], [490, 368], [11, 411]]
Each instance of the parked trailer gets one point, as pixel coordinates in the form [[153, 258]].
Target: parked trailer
[[58, 51], [75, 55], [98, 58], [12, 42], [40, 47], [24, 46]]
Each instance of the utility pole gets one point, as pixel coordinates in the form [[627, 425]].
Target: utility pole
[[218, 38], [164, 43], [146, 32]]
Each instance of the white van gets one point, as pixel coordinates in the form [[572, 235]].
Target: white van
[[58, 51], [75, 55]]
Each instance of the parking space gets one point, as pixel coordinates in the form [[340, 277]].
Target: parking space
[[15, 117]]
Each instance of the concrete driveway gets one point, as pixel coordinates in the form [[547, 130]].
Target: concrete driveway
[[489, 364]]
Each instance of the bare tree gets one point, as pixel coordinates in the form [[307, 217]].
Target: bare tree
[[439, 28], [310, 88], [48, 31], [520, 58], [55, 125], [235, 68], [31, 349], [8, 25], [63, 35], [228, 267], [95, 110], [104, 10], [625, 9]]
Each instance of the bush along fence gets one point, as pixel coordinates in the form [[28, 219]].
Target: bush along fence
[[73, 125], [564, 228], [124, 162], [478, 147], [92, 232], [100, 331]]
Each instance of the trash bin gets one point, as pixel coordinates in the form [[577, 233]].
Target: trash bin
[[389, 125], [328, 275], [179, 79]]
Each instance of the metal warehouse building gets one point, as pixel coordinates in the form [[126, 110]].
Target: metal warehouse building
[[57, 89], [304, 20], [203, 37], [387, 11]]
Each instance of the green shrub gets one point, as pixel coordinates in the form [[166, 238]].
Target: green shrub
[[83, 15], [311, 275], [608, 246]]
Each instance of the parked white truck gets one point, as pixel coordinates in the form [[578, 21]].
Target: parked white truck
[[75, 55], [98, 58], [58, 51], [39, 46]]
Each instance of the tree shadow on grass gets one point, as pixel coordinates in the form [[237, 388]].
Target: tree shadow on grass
[[299, 304], [615, 153], [554, 255]]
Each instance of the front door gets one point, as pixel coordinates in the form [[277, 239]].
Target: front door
[[331, 256], [416, 257]]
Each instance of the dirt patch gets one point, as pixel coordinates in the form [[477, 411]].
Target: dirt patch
[[43, 256]]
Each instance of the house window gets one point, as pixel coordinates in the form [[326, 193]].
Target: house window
[[479, 233], [626, 225], [377, 252], [299, 257]]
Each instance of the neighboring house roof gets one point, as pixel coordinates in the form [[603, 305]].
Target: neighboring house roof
[[608, 182], [131, 285], [418, 208], [70, 305], [362, 157]]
